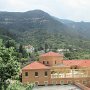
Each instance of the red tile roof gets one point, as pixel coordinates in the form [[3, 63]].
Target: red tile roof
[[82, 63], [51, 54], [35, 65]]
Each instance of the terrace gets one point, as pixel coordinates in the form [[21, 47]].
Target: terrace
[[69, 73]]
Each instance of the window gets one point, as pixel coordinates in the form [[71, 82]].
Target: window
[[55, 62], [45, 73], [36, 83], [84, 82], [69, 82], [26, 73], [45, 83], [61, 82], [43, 62], [47, 62], [54, 82], [36, 73]]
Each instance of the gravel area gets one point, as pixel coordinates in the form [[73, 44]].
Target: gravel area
[[58, 87]]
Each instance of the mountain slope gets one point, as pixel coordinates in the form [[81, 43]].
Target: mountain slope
[[83, 28], [38, 27], [36, 19], [5, 34]]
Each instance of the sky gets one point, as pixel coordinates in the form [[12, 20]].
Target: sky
[[76, 10]]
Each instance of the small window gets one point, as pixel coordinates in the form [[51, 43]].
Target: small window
[[47, 62], [55, 62], [26, 73], [43, 62], [69, 82], [61, 82], [45, 73], [45, 83], [36, 73], [54, 82], [84, 82], [36, 83]]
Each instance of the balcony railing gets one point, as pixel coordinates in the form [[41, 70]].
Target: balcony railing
[[71, 74]]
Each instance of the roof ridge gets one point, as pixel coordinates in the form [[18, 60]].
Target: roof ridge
[[51, 54]]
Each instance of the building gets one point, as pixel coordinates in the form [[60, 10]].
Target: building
[[29, 48], [52, 69]]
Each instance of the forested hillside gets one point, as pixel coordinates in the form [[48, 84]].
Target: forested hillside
[[39, 28]]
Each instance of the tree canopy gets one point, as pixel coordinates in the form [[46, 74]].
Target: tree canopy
[[9, 65]]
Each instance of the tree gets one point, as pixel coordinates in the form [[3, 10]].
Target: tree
[[21, 48], [22, 51], [46, 47], [10, 43], [9, 66]]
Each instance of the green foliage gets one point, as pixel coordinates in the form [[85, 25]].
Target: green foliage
[[22, 51], [9, 65], [47, 31], [10, 43], [80, 54], [34, 56], [23, 61], [29, 87], [1, 42], [19, 86]]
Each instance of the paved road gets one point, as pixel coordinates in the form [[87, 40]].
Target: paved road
[[62, 87]]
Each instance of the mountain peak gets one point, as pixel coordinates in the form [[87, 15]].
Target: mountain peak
[[36, 14], [36, 10]]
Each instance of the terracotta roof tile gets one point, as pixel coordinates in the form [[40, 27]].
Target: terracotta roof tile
[[35, 65], [51, 54], [82, 63]]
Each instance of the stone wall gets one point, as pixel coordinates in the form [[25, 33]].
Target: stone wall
[[31, 78], [81, 86], [53, 60]]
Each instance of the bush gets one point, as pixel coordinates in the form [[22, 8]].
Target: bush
[[19, 86], [29, 86]]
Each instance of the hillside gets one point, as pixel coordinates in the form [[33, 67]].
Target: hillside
[[38, 28], [83, 28], [5, 34]]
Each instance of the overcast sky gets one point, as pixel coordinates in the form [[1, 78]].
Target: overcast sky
[[77, 10]]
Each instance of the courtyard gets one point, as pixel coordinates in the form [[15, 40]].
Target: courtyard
[[58, 87]]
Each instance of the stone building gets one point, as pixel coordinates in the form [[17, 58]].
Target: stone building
[[53, 69]]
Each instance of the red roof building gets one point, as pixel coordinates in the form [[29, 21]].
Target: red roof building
[[81, 63], [35, 65], [51, 54], [52, 68]]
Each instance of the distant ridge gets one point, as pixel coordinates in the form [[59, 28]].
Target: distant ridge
[[37, 27]]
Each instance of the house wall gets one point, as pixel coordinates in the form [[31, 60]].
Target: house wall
[[41, 79], [60, 69], [69, 80], [32, 79], [53, 60]]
